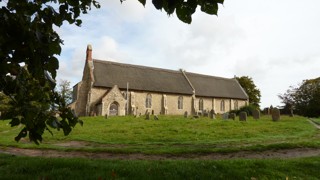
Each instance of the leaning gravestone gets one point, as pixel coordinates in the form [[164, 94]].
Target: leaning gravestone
[[212, 114], [275, 114], [148, 116], [186, 114], [243, 116], [156, 117], [256, 114], [232, 116]]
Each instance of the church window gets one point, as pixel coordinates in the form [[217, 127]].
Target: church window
[[222, 106], [180, 102], [200, 104], [148, 101], [236, 106]]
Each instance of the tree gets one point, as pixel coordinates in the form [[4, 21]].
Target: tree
[[250, 88], [29, 47], [65, 91], [185, 9], [304, 98]]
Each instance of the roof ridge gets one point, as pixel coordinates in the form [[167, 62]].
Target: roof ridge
[[209, 76], [136, 66]]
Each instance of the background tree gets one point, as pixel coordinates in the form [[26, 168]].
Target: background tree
[[305, 98], [250, 88], [29, 47], [65, 91]]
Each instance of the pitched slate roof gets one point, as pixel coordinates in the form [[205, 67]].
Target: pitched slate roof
[[142, 78], [108, 74], [210, 86]]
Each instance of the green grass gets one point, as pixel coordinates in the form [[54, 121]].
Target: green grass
[[12, 167], [176, 135]]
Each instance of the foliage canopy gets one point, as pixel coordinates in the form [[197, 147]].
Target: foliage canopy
[[304, 99], [251, 89], [29, 47]]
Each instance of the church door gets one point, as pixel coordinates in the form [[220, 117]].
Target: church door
[[113, 110]]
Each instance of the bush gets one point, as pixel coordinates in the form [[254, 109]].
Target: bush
[[249, 109]]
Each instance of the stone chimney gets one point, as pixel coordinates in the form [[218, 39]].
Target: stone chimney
[[89, 53]]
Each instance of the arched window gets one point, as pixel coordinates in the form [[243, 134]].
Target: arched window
[[222, 106], [236, 106], [148, 101], [200, 104], [180, 102]]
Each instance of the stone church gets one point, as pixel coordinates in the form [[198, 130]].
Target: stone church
[[111, 88]]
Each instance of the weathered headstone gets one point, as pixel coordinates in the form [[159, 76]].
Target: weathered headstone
[[232, 116], [275, 114], [243, 116], [256, 114], [148, 116], [186, 114], [225, 116], [212, 114], [156, 117]]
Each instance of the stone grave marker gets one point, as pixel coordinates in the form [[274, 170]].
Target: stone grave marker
[[156, 117], [243, 116], [225, 116], [186, 114], [275, 114], [232, 116], [148, 116], [256, 114], [212, 114]]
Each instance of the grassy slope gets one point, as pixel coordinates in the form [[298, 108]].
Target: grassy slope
[[12, 167], [175, 134]]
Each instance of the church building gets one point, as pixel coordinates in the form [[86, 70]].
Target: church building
[[112, 88]]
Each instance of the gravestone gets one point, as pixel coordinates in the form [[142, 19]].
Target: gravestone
[[148, 116], [156, 117], [232, 116], [186, 114], [147, 111], [212, 114], [243, 116], [256, 114], [225, 116], [275, 114]]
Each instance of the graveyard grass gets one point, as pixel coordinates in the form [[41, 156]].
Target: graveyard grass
[[169, 135], [175, 135]]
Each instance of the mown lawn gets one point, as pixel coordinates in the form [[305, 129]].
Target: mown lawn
[[176, 135], [12, 167]]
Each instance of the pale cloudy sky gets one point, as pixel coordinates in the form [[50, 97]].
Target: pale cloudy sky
[[276, 42]]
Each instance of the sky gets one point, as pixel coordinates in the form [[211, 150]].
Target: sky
[[275, 42]]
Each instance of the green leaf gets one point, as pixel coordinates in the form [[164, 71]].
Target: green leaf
[[143, 2], [158, 4], [184, 14], [209, 7]]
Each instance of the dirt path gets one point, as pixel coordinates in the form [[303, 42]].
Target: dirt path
[[287, 153]]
